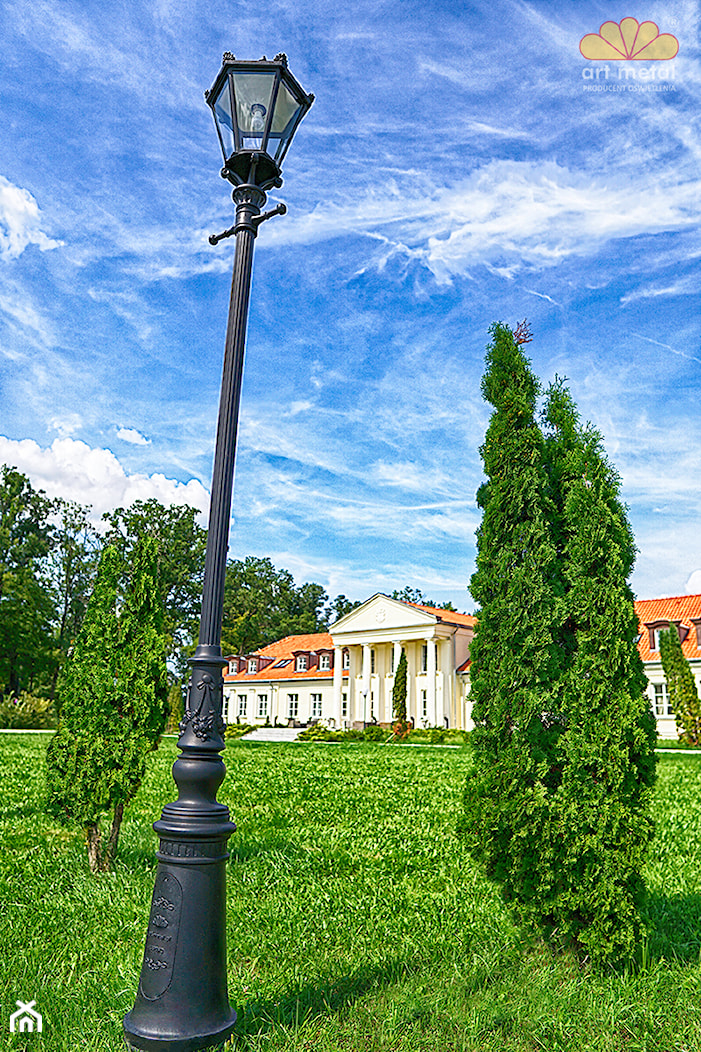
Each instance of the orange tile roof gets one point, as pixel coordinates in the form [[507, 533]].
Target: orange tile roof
[[451, 617], [285, 649], [673, 608]]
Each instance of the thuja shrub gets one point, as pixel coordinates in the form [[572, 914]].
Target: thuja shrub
[[603, 805], [683, 695], [516, 662], [558, 807], [399, 691], [112, 702]]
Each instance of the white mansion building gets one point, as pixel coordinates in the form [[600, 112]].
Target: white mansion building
[[345, 676]]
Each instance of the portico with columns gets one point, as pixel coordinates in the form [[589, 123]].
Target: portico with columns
[[371, 638]]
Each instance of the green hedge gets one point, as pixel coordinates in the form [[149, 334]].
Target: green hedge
[[27, 712], [376, 733]]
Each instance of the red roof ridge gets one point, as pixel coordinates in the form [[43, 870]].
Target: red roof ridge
[[668, 598], [445, 615]]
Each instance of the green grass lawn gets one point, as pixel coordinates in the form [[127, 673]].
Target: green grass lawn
[[355, 919]]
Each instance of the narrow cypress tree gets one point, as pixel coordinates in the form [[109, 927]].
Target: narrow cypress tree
[[606, 751], [516, 660], [683, 695], [558, 806], [112, 703], [399, 696]]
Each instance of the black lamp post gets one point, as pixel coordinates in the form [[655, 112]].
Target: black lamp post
[[182, 1003]]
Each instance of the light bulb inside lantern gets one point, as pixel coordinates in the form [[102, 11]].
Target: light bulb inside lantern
[[258, 112]]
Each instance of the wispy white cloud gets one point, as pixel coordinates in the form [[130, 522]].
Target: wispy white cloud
[[685, 286], [20, 222], [668, 347], [341, 575], [525, 214], [132, 436]]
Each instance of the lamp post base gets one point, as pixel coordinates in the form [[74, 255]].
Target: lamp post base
[[182, 1004], [138, 1041]]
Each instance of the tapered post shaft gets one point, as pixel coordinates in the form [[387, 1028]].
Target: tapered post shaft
[[182, 1003]]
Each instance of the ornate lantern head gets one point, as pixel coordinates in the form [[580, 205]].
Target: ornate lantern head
[[257, 107]]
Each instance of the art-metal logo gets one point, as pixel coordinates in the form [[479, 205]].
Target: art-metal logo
[[629, 41]]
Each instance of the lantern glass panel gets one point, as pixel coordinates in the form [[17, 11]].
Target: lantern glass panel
[[287, 109], [253, 92], [225, 123]]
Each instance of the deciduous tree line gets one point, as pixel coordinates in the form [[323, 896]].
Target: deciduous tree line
[[49, 554]]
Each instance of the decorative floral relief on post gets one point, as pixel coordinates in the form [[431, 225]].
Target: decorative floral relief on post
[[162, 936], [206, 719]]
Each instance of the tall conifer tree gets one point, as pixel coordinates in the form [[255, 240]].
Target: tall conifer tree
[[399, 690], [112, 700], [683, 695], [516, 661], [606, 751], [558, 808]]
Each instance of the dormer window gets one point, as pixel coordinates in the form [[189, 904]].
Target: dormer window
[[346, 659], [324, 662], [654, 628], [253, 664], [302, 663]]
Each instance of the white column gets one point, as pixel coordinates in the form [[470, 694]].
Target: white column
[[431, 677], [337, 685], [397, 657], [365, 688], [352, 684]]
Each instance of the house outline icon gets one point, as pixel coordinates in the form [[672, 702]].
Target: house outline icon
[[28, 1019]]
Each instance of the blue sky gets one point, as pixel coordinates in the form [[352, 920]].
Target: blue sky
[[456, 169]]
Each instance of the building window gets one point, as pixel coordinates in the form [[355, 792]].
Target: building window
[[301, 665], [372, 662], [316, 707], [292, 706], [424, 704], [262, 705], [242, 705], [252, 665], [424, 658], [656, 642], [325, 662], [662, 702], [346, 658], [344, 706], [391, 661]]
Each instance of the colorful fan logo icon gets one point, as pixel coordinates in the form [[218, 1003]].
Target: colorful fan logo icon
[[629, 40]]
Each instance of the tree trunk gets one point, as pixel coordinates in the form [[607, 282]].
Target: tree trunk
[[111, 847], [94, 842]]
